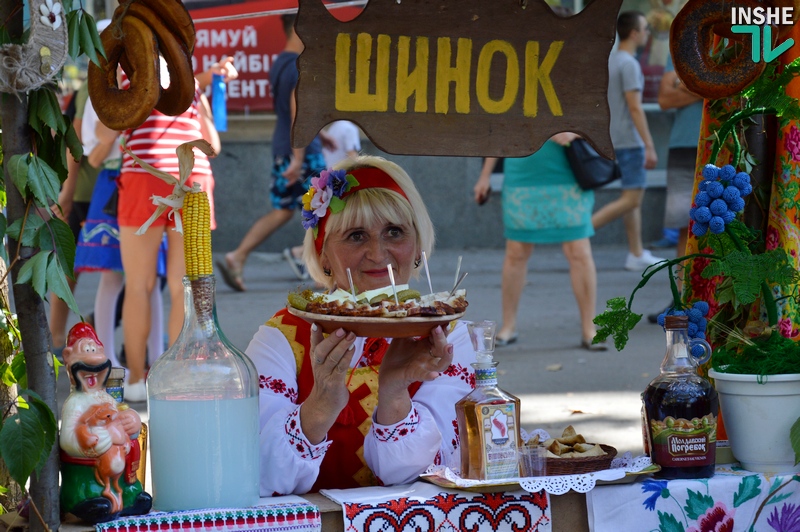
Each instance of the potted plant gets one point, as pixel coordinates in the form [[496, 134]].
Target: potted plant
[[741, 281]]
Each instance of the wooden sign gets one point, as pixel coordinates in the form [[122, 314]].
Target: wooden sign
[[457, 77]]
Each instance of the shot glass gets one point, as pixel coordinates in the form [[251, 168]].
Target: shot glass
[[482, 334], [532, 461]]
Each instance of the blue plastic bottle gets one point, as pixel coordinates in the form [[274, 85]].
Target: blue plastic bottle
[[218, 104]]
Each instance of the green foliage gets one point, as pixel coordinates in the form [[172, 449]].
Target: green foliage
[[697, 504], [27, 437], [617, 321], [746, 272], [749, 488], [794, 435], [83, 37]]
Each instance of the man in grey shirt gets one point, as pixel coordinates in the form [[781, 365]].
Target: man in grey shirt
[[630, 136]]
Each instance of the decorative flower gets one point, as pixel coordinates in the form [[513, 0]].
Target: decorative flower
[[716, 519], [788, 520], [324, 195], [772, 239], [657, 488], [50, 14], [792, 143]]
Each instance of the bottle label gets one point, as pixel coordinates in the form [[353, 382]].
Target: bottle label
[[486, 376], [499, 436], [684, 443]]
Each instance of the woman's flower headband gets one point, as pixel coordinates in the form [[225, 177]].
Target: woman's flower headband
[[325, 192], [328, 191]]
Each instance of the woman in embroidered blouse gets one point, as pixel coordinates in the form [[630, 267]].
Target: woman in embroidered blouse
[[323, 424]]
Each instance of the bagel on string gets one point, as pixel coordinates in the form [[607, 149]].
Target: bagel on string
[[692, 39], [178, 96], [125, 109], [175, 17]]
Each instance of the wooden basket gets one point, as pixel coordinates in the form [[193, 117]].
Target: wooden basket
[[577, 466]]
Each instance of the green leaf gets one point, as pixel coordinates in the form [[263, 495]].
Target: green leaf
[[34, 272], [336, 204], [22, 441], [87, 43], [747, 272], [33, 112], [96, 40], [19, 370], [30, 236], [351, 181], [73, 143], [49, 111], [61, 240], [73, 21], [43, 181], [668, 523], [18, 170], [794, 437], [749, 488], [48, 422], [617, 321], [697, 504], [57, 282]]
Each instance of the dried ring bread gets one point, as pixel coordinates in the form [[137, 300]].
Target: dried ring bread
[[124, 109], [691, 40], [174, 15], [178, 96]]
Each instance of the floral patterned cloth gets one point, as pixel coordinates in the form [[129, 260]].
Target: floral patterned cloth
[[732, 500]]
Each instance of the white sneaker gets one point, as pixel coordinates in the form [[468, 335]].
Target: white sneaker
[[136, 392], [640, 263]]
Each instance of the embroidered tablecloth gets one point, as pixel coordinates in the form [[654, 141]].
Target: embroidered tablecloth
[[274, 514], [423, 506], [732, 500]]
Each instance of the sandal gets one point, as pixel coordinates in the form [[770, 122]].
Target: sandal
[[503, 342], [589, 346], [231, 276]]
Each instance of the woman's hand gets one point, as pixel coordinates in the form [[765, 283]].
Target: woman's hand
[[330, 359], [407, 361]]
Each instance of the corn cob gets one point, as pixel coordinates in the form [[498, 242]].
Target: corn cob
[[197, 235]]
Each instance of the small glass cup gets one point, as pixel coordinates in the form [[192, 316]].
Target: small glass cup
[[482, 334], [532, 461]]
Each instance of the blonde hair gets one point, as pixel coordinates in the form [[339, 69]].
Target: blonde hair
[[373, 206]]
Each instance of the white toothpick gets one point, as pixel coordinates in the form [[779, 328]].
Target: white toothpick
[[391, 280], [458, 270], [427, 272], [352, 288]]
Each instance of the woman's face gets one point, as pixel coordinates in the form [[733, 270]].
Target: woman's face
[[367, 251]]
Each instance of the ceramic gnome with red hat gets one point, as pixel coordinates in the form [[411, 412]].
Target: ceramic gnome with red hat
[[100, 451]]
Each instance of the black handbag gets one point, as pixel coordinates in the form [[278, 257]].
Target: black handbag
[[591, 169]]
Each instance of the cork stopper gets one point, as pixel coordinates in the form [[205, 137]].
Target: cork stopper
[[676, 322]]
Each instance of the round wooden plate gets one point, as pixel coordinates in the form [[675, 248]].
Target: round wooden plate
[[376, 327]]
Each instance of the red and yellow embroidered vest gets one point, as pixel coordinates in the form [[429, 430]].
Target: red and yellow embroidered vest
[[344, 465]]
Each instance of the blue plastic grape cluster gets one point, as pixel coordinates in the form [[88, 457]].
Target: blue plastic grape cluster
[[697, 323], [720, 196]]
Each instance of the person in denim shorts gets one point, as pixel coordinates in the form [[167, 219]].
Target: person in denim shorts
[[630, 136], [292, 168]]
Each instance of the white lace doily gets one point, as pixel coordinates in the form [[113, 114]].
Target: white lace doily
[[554, 485]]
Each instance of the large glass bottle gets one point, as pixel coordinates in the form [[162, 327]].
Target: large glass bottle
[[202, 396], [681, 409], [488, 417]]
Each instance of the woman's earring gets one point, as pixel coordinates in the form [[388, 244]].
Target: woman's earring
[[326, 271], [417, 263]]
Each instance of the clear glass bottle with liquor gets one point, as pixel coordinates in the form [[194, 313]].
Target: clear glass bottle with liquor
[[681, 409], [488, 417]]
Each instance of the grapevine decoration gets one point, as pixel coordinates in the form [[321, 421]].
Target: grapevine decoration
[[729, 246]]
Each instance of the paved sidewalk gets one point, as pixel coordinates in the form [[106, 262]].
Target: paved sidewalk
[[558, 382]]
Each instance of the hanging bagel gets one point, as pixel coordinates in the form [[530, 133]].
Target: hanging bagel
[[691, 41], [178, 96], [174, 15], [125, 109]]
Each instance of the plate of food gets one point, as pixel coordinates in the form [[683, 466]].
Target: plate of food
[[390, 312]]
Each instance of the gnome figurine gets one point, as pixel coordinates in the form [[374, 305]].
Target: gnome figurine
[[99, 447]]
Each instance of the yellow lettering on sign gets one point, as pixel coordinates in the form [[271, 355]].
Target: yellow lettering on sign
[[536, 74], [360, 99], [511, 86], [447, 74], [412, 83]]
